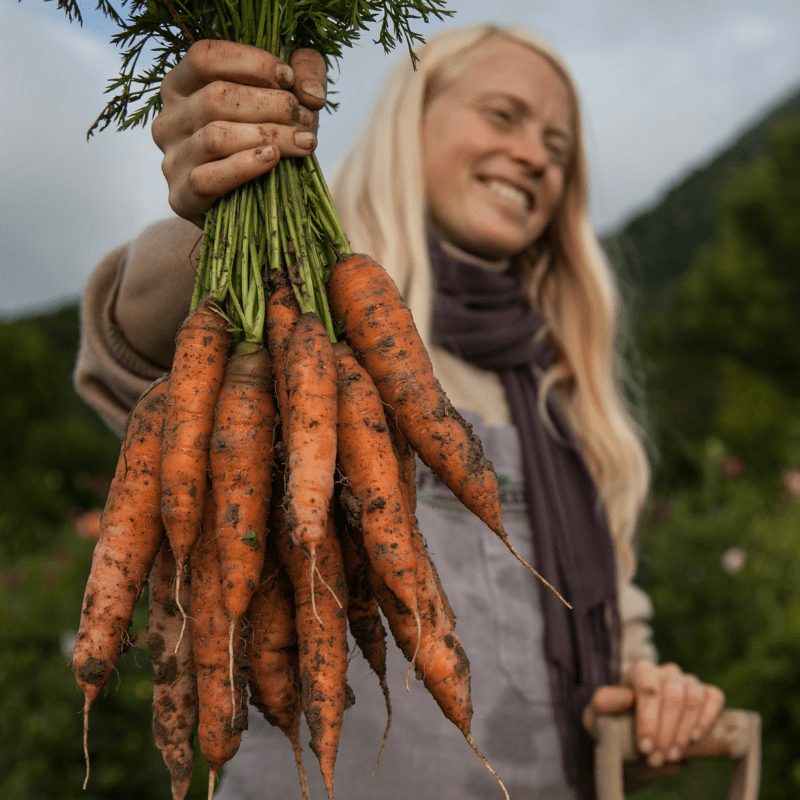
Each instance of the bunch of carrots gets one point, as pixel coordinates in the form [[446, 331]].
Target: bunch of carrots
[[267, 492], [266, 488]]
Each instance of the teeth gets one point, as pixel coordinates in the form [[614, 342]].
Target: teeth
[[510, 193]]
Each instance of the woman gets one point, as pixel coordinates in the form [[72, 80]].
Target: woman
[[469, 185]]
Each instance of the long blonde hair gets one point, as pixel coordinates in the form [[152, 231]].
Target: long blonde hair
[[379, 193]]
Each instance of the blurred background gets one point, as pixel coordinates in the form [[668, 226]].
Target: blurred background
[[692, 110]]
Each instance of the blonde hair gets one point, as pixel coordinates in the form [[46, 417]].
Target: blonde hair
[[379, 192]]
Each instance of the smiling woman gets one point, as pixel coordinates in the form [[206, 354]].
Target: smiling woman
[[496, 143]]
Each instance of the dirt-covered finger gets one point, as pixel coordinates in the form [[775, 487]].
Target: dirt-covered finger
[[218, 140], [310, 78], [210, 181], [232, 102], [220, 60]]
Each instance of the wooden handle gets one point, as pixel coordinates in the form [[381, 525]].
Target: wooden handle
[[736, 735]]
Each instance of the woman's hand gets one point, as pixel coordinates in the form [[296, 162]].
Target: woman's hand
[[673, 708], [230, 111]]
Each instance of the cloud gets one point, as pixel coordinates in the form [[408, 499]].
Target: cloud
[[65, 202], [664, 84]]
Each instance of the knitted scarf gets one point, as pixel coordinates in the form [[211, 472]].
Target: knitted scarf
[[481, 316]]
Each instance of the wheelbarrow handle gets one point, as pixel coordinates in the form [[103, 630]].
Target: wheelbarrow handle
[[735, 735]]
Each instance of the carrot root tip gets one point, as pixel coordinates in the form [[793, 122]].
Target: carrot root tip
[[178, 572], [533, 572], [86, 740], [482, 757]]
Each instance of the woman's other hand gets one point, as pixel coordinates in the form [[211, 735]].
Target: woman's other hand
[[230, 111], [672, 708]]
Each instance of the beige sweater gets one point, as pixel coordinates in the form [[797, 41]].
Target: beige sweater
[[130, 313]]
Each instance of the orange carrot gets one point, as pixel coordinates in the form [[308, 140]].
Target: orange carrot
[[365, 623], [382, 332], [322, 647], [440, 660], [201, 352], [310, 432], [282, 315], [240, 462], [130, 536], [376, 501], [174, 676], [273, 655], [219, 703]]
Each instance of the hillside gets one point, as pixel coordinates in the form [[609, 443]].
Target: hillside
[[657, 246]]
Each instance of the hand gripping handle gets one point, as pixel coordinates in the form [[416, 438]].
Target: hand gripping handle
[[735, 735]]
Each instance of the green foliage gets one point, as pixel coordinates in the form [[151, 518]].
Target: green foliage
[[721, 566], [154, 34], [723, 348], [722, 352]]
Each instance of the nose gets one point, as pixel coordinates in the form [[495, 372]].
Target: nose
[[528, 149]]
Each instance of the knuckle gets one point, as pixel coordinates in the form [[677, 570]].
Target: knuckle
[[213, 139], [198, 184], [216, 96]]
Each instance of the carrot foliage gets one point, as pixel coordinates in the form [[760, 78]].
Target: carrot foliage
[[285, 220]]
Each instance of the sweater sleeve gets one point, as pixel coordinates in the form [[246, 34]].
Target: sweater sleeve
[[131, 309], [635, 610]]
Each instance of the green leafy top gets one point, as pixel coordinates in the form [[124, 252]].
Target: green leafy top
[[158, 33]]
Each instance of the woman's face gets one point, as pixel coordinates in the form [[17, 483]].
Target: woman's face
[[497, 142]]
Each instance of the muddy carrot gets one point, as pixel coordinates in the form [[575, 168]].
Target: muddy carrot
[[310, 432], [272, 652], [375, 496], [201, 352], [322, 647], [365, 622], [174, 676], [130, 536], [218, 738], [382, 332], [282, 315]]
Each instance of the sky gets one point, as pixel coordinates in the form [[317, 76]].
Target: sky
[[664, 84]]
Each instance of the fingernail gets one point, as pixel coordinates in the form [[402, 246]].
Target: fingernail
[[285, 76], [314, 88], [266, 153], [655, 759], [305, 117], [674, 753], [695, 735], [304, 139], [646, 745]]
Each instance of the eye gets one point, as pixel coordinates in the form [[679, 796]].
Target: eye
[[501, 117]]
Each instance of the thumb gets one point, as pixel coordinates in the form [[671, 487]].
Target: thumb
[[607, 700]]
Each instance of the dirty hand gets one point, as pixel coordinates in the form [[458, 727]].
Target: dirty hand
[[672, 707], [230, 111]]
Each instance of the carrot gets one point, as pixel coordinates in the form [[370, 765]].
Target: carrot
[[272, 652], [376, 501], [174, 676], [218, 705], [282, 315], [240, 462], [130, 535], [440, 660], [382, 332], [201, 351], [365, 623], [310, 433], [322, 648]]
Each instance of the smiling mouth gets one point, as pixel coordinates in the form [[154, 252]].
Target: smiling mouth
[[506, 190]]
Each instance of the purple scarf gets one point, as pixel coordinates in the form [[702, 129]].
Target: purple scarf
[[481, 316]]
